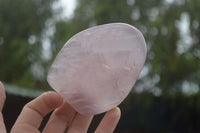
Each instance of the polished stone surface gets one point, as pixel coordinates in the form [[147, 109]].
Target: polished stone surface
[[97, 68]]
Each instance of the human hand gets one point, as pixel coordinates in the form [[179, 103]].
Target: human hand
[[2, 100], [63, 119]]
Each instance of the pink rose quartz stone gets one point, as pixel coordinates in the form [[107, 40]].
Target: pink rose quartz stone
[[97, 68]]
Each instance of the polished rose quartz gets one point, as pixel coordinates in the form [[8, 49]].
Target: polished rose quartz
[[97, 68]]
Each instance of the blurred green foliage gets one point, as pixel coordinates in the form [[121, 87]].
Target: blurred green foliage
[[22, 24], [171, 28]]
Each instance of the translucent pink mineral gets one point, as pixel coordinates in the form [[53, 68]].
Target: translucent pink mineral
[[97, 68]]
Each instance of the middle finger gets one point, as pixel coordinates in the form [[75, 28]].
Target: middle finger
[[60, 119]]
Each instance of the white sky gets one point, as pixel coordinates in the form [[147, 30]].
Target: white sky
[[68, 7]]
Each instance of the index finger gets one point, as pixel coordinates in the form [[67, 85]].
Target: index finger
[[33, 112], [2, 96], [2, 100]]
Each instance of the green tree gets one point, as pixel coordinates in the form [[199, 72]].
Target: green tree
[[22, 24]]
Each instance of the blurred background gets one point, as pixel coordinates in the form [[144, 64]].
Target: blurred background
[[166, 97]]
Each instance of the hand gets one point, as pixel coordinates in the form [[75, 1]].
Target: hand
[[2, 100], [63, 119]]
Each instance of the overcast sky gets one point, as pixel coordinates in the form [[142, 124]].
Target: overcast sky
[[68, 6]]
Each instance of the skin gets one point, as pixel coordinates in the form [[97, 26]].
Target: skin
[[63, 119]]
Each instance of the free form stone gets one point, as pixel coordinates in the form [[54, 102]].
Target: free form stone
[[97, 68]]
